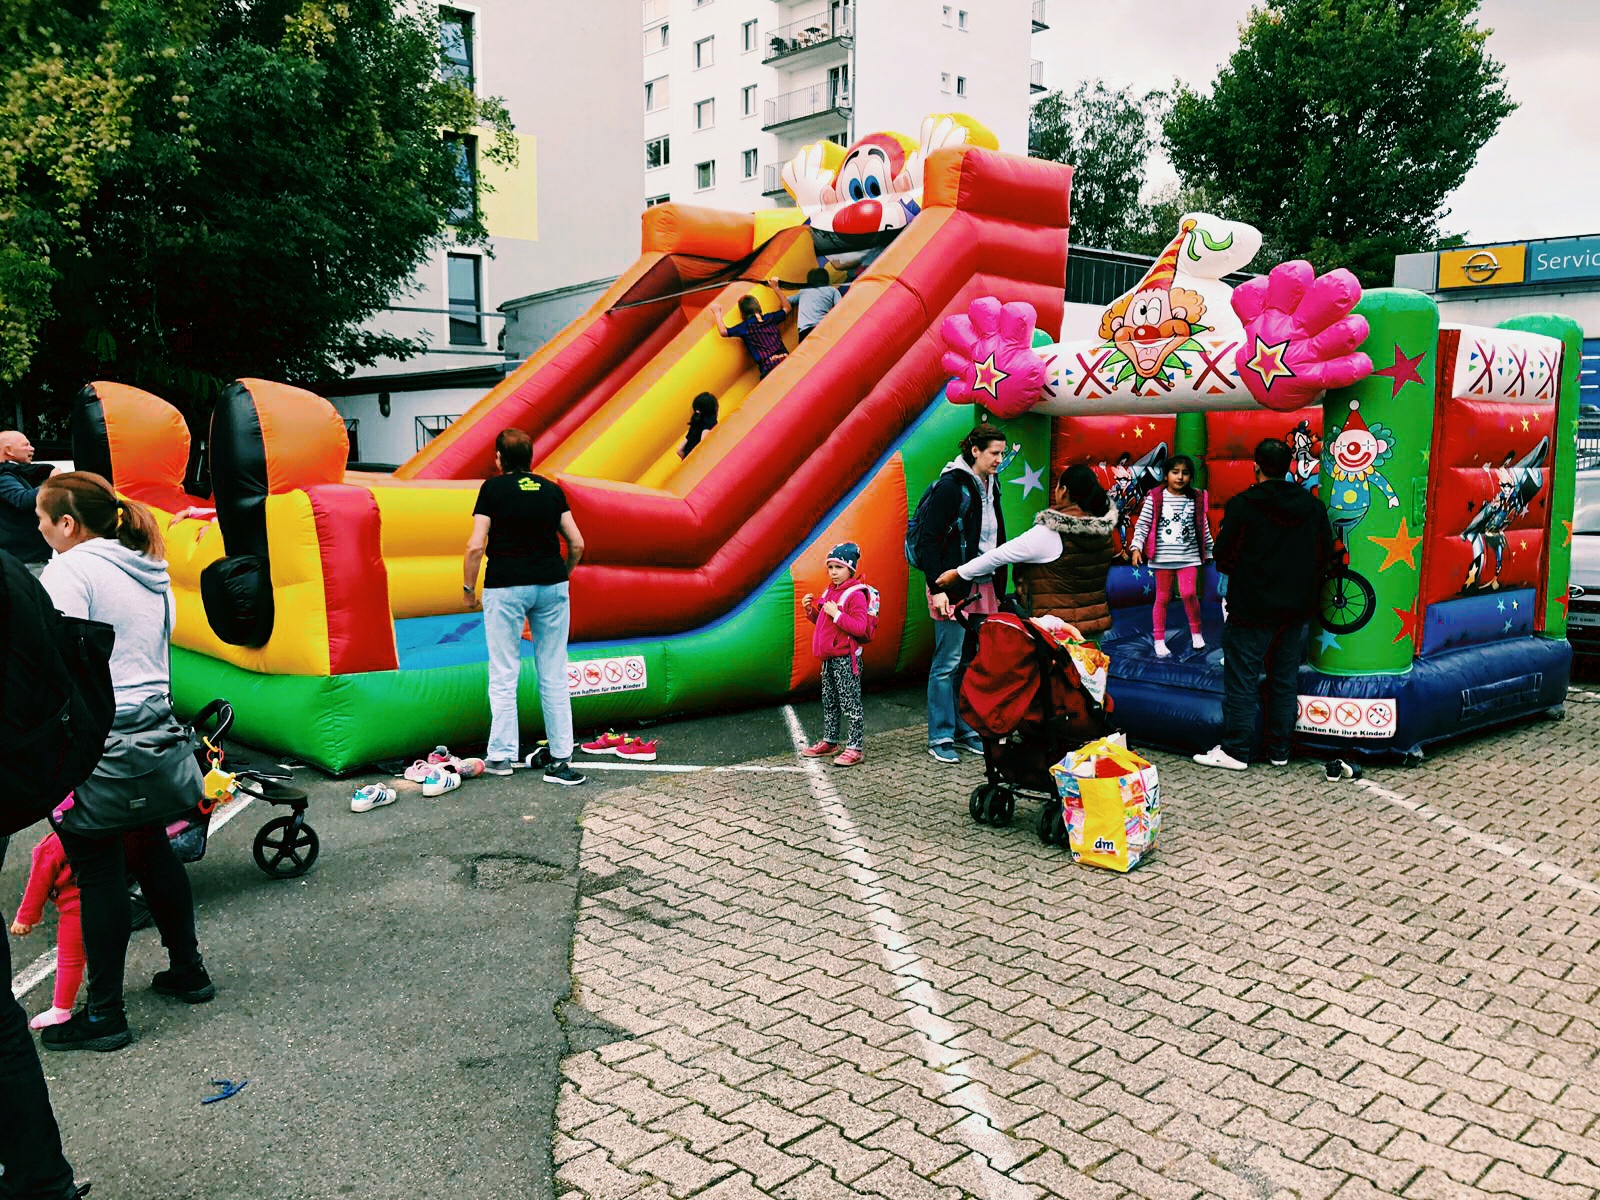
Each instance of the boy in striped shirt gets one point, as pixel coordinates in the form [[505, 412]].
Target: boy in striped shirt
[[761, 333]]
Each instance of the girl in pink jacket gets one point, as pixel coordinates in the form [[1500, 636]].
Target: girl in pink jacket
[[846, 619], [50, 878]]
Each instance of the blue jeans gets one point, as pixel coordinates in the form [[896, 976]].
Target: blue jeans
[[945, 725], [546, 608]]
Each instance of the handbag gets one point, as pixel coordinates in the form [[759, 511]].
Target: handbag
[[148, 774]]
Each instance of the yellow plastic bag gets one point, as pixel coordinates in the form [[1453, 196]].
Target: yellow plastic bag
[[1112, 821]]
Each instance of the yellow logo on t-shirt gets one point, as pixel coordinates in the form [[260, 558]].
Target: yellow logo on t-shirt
[[528, 484]]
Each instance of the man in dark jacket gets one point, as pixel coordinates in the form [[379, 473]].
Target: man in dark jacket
[[961, 521], [1274, 547], [20, 478]]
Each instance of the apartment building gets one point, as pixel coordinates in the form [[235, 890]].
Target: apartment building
[[566, 219], [732, 88]]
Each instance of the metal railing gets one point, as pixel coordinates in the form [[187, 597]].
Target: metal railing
[[772, 179], [806, 102], [834, 28], [431, 427], [1036, 76], [1038, 16]]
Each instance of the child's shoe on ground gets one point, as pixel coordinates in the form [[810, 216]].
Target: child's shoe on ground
[[471, 768], [820, 750], [608, 742], [419, 771], [50, 1016], [374, 795], [444, 781], [849, 758], [637, 750], [441, 754]]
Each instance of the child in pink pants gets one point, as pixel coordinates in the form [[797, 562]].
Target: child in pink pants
[[1173, 535], [51, 878]]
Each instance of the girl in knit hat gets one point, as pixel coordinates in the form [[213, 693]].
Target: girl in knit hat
[[846, 619]]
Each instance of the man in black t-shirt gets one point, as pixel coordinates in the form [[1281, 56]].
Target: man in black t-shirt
[[517, 520]]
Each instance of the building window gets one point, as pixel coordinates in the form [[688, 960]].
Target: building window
[[947, 14], [455, 46], [466, 300], [655, 10], [944, 81], [961, 18], [705, 114], [705, 175], [839, 86], [657, 39], [747, 98], [749, 164], [961, 85], [652, 201], [842, 138], [657, 153], [655, 94], [749, 28], [431, 427], [704, 53], [465, 152]]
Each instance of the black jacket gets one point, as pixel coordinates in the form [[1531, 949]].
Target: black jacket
[[1274, 546], [19, 525], [948, 536]]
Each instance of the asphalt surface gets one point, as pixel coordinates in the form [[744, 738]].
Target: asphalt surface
[[400, 1012]]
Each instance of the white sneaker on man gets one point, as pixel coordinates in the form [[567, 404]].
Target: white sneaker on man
[[1218, 757]]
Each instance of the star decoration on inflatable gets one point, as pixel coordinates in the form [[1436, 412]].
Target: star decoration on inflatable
[[1031, 477], [987, 376], [1410, 619], [1329, 640], [1402, 371], [1401, 547], [1268, 362], [1506, 628], [1564, 600]]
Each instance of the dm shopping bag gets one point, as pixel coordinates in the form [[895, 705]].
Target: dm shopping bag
[[1111, 804]]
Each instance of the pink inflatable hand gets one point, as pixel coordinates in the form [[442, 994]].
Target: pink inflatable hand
[[991, 357], [1300, 336]]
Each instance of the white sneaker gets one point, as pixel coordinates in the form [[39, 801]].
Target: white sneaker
[[374, 795], [1198, 642], [1218, 757], [1162, 651], [444, 781]]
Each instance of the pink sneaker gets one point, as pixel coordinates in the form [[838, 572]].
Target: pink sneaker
[[820, 750], [607, 743], [637, 750], [419, 771], [849, 758], [441, 754], [470, 768]]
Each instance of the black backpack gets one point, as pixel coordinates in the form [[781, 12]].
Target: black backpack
[[56, 699], [918, 519]]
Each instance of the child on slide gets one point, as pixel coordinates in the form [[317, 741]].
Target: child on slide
[[761, 333], [845, 620], [1173, 535]]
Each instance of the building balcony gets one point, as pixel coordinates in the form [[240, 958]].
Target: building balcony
[[1039, 24], [772, 180], [1036, 76], [819, 100], [827, 35]]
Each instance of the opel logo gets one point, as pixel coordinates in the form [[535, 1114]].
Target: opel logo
[[1481, 267]]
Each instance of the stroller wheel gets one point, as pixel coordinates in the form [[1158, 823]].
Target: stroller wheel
[[286, 847], [1049, 826], [978, 802], [1002, 806]]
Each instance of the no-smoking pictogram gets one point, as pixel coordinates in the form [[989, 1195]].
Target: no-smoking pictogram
[[1348, 714], [1380, 716]]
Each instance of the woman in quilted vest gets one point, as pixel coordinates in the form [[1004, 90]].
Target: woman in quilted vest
[[1063, 560]]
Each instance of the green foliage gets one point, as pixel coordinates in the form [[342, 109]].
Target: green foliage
[[194, 190], [1107, 137], [1338, 127]]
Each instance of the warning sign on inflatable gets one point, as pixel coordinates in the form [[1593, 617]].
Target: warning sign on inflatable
[[597, 676], [1341, 717]]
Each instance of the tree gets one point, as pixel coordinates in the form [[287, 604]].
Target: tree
[[193, 190], [1338, 127], [1107, 137]]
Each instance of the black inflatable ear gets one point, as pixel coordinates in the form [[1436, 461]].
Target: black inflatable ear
[[237, 594], [91, 446]]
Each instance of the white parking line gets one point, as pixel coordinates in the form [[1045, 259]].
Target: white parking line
[[1518, 854], [900, 960], [44, 966]]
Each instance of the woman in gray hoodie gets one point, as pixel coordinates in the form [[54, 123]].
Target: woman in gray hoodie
[[108, 567]]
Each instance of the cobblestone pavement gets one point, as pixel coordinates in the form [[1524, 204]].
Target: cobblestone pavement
[[836, 984]]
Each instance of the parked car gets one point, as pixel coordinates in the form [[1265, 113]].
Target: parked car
[[1583, 608]]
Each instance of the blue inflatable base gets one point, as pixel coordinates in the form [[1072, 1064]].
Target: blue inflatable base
[[1175, 703]]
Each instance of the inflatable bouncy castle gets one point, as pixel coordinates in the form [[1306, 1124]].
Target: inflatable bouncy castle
[[326, 604], [1444, 455]]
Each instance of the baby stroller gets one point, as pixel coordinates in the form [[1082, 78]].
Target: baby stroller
[[285, 847], [1023, 696]]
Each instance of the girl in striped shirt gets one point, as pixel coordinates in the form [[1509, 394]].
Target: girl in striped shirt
[[1174, 536]]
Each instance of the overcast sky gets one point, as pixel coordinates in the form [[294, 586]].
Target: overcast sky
[[1539, 176]]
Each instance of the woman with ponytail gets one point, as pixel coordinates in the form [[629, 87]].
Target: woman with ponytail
[[1063, 560], [108, 567]]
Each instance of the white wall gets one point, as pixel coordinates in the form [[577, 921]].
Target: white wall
[[393, 439], [1583, 307]]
